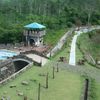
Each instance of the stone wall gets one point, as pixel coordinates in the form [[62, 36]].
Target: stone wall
[[6, 69], [14, 75], [60, 43]]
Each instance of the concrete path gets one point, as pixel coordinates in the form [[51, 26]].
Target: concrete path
[[72, 59], [72, 51]]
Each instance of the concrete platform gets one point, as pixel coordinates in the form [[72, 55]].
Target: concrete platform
[[37, 58]]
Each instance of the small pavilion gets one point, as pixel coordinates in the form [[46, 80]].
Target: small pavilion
[[34, 34]]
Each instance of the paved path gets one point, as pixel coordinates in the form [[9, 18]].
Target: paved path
[[72, 59]]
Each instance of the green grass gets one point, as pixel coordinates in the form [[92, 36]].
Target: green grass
[[66, 85], [97, 90]]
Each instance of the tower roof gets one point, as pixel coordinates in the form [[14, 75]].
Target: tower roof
[[35, 26]]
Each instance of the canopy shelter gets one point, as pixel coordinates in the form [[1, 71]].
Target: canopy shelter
[[34, 33], [34, 26]]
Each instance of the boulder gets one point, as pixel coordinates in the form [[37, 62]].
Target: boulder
[[20, 94], [24, 83], [12, 86]]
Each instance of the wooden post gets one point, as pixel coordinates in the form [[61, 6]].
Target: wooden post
[[47, 80], [50, 53], [39, 89], [41, 61], [53, 72], [25, 97], [57, 68]]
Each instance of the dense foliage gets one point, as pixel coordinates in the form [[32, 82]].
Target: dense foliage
[[53, 13]]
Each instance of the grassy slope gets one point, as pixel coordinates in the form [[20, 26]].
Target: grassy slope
[[65, 49], [52, 36], [91, 45], [97, 90], [65, 86], [95, 93]]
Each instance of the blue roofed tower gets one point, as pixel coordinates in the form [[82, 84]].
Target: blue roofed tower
[[34, 34]]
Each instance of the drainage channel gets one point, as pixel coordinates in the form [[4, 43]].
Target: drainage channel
[[86, 89]]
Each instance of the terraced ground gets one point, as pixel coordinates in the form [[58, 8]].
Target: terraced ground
[[66, 85]]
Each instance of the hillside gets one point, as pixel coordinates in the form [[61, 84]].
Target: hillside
[[55, 14], [89, 43]]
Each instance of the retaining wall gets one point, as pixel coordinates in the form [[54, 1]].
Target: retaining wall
[[16, 74]]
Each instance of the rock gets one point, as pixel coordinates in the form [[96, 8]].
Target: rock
[[3, 98], [12, 86], [25, 83], [20, 94], [98, 62]]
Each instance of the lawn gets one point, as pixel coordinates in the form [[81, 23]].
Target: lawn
[[65, 86]]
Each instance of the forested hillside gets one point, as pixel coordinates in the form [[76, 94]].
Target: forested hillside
[[54, 14]]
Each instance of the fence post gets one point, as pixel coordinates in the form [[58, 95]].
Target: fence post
[[57, 68], [50, 53], [39, 90], [86, 89], [47, 80], [53, 72], [25, 97]]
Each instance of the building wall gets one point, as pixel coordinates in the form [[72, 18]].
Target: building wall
[[37, 36]]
